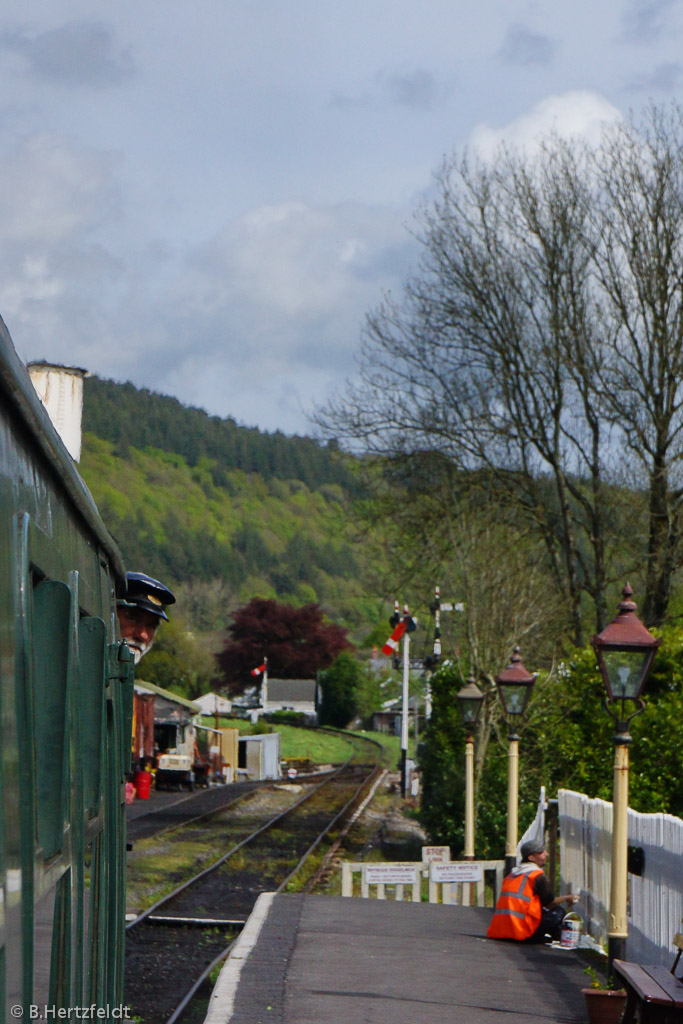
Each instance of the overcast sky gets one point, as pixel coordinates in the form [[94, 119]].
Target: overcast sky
[[207, 197]]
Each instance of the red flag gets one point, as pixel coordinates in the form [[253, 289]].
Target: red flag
[[391, 646], [259, 670]]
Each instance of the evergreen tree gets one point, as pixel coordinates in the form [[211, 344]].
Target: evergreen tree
[[129, 416], [339, 685]]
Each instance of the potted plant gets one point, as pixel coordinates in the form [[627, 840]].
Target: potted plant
[[604, 1003]]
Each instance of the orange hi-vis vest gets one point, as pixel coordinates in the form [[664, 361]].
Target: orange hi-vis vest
[[518, 910]]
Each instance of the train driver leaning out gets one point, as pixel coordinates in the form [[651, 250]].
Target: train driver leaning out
[[527, 909], [141, 611]]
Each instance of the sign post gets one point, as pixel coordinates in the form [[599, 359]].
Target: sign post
[[398, 874], [468, 874], [436, 854]]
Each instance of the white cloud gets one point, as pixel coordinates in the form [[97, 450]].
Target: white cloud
[[51, 188], [259, 322], [296, 264], [572, 115], [275, 303], [54, 199]]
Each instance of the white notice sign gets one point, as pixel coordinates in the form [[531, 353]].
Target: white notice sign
[[461, 871], [390, 874], [436, 854]]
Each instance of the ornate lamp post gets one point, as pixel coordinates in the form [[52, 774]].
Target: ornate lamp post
[[625, 650], [514, 690], [470, 699]]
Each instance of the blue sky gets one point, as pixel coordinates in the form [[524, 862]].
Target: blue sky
[[206, 199]]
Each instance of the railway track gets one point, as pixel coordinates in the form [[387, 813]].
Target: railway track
[[201, 806], [174, 944], [188, 809]]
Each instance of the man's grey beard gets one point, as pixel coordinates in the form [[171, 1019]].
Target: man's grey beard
[[139, 650]]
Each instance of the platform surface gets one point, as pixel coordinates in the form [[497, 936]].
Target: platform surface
[[329, 960]]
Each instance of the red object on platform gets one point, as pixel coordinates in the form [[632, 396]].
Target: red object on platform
[[143, 782]]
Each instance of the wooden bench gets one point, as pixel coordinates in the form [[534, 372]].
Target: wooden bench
[[655, 992]]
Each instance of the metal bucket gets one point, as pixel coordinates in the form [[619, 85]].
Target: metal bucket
[[572, 927]]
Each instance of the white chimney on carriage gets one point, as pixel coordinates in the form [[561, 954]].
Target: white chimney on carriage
[[60, 389]]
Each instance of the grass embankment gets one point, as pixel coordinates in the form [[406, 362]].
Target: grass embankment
[[391, 747], [318, 745]]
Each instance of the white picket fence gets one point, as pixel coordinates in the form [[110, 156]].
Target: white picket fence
[[655, 905]]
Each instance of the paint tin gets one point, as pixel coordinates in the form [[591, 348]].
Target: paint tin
[[571, 931]]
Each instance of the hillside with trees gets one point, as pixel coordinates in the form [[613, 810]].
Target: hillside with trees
[[222, 544], [226, 520], [131, 417]]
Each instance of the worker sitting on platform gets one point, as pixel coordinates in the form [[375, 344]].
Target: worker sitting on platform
[[527, 909], [141, 611]]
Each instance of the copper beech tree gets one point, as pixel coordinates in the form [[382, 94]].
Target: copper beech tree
[[297, 642]]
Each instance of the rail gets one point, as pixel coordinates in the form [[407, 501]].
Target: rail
[[161, 914], [235, 849], [328, 828]]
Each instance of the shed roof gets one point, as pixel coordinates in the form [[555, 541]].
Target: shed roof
[[143, 687]]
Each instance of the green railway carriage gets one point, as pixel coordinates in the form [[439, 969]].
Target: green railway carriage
[[66, 693]]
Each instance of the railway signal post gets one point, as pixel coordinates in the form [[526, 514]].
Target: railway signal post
[[403, 626]]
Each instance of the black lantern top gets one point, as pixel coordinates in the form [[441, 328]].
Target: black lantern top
[[625, 650], [514, 685], [470, 699]]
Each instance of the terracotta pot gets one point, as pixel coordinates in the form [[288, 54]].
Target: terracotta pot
[[604, 1005]]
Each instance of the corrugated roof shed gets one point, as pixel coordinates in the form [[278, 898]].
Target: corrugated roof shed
[[143, 687]]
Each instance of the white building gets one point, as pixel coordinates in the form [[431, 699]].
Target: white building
[[292, 695], [214, 704]]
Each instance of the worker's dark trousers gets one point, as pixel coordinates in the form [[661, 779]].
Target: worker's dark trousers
[[550, 926]]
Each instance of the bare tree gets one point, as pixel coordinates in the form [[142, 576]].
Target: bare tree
[[483, 360], [541, 339], [638, 219]]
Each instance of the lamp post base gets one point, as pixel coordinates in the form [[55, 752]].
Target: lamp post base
[[616, 950]]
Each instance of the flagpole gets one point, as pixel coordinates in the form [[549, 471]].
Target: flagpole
[[264, 687]]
